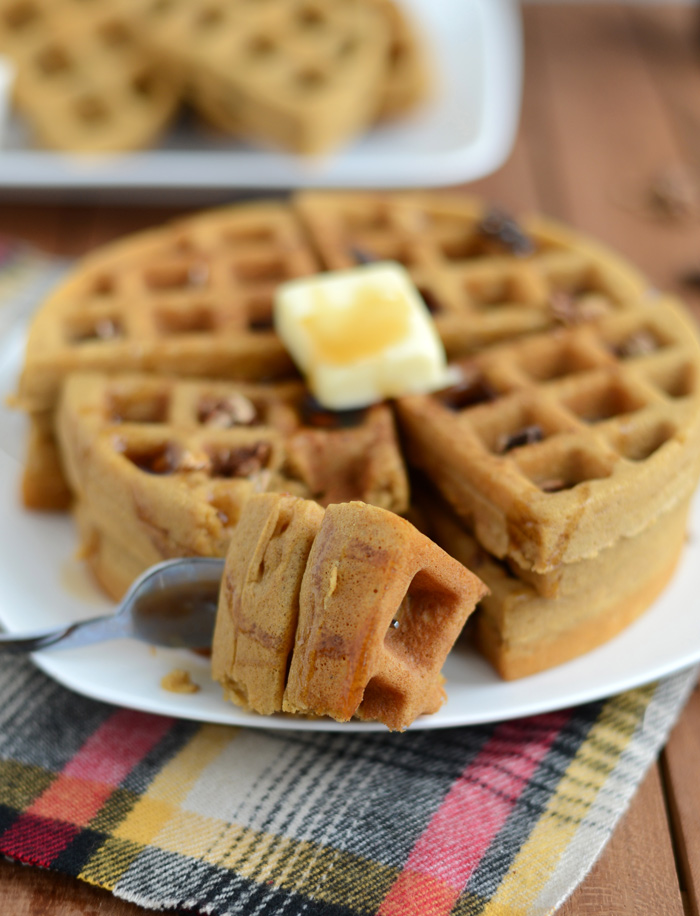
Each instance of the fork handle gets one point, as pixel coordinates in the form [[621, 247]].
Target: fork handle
[[16, 644], [80, 633]]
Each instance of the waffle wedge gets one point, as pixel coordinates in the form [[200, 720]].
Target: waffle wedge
[[303, 75], [284, 639], [162, 467]]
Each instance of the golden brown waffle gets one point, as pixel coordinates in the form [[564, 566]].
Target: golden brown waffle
[[163, 466], [304, 75], [83, 80], [195, 297], [259, 602], [484, 277], [284, 639], [522, 632], [407, 79], [410, 603], [191, 298], [555, 446], [197, 294]]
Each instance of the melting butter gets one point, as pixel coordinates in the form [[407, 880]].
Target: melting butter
[[360, 335], [373, 319]]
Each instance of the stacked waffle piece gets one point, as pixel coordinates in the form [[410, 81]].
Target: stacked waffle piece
[[84, 81], [559, 467], [347, 612]]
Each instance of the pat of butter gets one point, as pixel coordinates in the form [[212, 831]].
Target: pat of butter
[[360, 335]]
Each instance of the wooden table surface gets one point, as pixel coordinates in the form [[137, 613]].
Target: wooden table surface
[[611, 111]]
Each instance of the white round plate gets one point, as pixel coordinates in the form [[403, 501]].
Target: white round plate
[[43, 584]]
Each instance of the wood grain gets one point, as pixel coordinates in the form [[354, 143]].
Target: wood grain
[[681, 769], [27, 891], [609, 134], [637, 874]]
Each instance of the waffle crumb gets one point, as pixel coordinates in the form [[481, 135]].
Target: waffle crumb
[[179, 681]]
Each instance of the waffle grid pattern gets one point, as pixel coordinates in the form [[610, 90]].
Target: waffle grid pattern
[[478, 290], [304, 74], [198, 294], [166, 465], [195, 299], [543, 433], [83, 79]]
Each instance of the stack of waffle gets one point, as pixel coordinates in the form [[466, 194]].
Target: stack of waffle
[[571, 459], [559, 467]]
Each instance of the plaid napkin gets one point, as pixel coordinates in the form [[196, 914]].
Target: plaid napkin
[[499, 819]]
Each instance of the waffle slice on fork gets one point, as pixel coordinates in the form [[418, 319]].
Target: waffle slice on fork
[[350, 612]]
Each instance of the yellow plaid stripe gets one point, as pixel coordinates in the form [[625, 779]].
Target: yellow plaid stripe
[[572, 801]]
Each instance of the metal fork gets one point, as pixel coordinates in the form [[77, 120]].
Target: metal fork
[[172, 604]]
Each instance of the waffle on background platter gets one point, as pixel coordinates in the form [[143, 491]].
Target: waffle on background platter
[[84, 82], [568, 450], [301, 75]]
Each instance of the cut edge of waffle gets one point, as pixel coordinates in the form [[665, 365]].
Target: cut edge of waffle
[[283, 639]]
